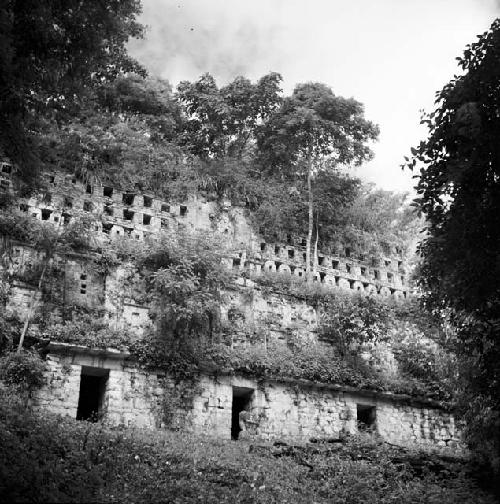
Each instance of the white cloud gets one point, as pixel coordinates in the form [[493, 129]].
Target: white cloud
[[392, 55]]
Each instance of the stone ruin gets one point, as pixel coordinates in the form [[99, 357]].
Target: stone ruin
[[85, 382]]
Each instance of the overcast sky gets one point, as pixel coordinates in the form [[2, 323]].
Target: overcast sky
[[392, 55]]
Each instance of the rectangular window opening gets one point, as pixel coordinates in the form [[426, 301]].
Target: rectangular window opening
[[128, 198], [128, 215], [321, 260], [87, 206], [88, 189], [262, 247], [46, 214], [148, 201], [183, 210], [366, 416], [335, 264], [108, 209], [146, 219], [107, 192], [291, 253], [165, 208]]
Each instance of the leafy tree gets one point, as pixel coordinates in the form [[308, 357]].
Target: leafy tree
[[459, 193], [51, 53], [222, 122], [312, 134]]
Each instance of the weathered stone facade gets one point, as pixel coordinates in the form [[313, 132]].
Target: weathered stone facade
[[288, 410], [81, 380], [138, 215]]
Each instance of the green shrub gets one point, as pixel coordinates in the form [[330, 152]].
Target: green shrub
[[24, 370]]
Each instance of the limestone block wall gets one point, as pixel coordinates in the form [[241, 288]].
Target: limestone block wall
[[118, 213], [287, 410]]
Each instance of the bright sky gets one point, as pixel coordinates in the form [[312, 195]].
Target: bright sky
[[392, 55]]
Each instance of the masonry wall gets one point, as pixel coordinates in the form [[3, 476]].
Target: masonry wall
[[118, 213], [288, 411]]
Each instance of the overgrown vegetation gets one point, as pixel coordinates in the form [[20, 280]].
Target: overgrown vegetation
[[459, 194], [46, 458]]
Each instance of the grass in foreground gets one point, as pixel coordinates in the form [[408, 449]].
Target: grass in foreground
[[46, 458]]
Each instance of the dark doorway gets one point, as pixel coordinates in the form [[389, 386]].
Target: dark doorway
[[242, 398], [92, 388], [366, 416]]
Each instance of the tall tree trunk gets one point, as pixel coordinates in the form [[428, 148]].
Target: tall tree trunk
[[315, 258], [32, 306], [311, 218]]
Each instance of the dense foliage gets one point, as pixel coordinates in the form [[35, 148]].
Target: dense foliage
[[51, 54], [47, 458], [459, 193]]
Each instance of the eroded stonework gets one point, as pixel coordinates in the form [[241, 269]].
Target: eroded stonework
[[287, 410]]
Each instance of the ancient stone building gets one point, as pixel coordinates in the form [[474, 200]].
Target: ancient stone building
[[83, 381]]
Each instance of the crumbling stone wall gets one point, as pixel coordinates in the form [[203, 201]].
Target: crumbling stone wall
[[138, 215], [287, 410]]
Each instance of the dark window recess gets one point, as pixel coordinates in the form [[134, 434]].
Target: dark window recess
[[87, 206], [88, 189], [83, 276], [276, 250], [146, 219], [291, 253], [107, 192], [128, 215], [366, 416], [377, 274], [335, 264], [402, 278], [242, 399], [128, 199], [304, 256], [66, 218], [106, 227], [83, 288], [348, 252], [322, 277], [92, 391], [351, 284], [400, 264], [236, 263], [73, 180], [303, 242], [164, 223], [299, 273], [52, 179], [108, 210], [387, 263], [404, 294], [363, 271], [56, 219], [68, 202], [389, 277], [148, 201], [348, 268], [289, 239], [6, 168], [183, 210], [128, 231], [47, 198], [262, 247], [46, 214], [165, 208], [321, 260], [23, 207]]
